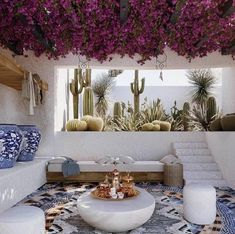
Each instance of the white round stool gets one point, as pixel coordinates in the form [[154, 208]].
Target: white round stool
[[199, 204], [22, 220]]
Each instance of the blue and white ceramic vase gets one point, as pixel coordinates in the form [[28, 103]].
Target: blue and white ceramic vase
[[10, 141], [30, 142]]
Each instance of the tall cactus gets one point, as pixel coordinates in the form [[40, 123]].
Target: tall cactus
[[76, 91], [136, 90], [186, 110], [79, 82], [88, 102], [87, 78], [211, 109], [117, 110]]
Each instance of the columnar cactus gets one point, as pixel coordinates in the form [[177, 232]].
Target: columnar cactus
[[117, 110], [79, 82], [186, 110], [88, 102], [136, 90], [87, 79], [211, 108], [75, 90]]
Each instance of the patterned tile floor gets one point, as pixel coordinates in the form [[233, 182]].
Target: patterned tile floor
[[59, 201]]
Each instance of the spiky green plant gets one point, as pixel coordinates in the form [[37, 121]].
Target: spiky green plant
[[125, 122], [153, 111], [200, 118], [176, 118], [203, 81], [102, 87]]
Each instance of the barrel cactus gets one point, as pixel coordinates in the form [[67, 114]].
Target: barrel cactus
[[117, 110], [88, 102], [211, 109], [186, 111]]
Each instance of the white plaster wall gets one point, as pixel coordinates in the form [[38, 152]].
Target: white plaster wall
[[11, 106], [228, 94], [221, 145], [140, 146]]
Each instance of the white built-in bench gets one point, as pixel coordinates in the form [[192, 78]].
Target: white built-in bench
[[91, 171], [23, 179], [20, 181]]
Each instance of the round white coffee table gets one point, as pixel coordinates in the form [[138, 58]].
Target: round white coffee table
[[117, 216]]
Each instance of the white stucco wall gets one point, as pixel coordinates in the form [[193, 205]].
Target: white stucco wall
[[85, 145], [222, 147], [140, 146], [11, 106], [228, 93]]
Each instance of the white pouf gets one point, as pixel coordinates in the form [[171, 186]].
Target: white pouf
[[199, 204], [22, 220]]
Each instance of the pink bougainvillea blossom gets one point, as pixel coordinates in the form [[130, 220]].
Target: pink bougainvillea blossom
[[92, 28]]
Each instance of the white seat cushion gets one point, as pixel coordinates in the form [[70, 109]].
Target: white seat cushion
[[91, 166]]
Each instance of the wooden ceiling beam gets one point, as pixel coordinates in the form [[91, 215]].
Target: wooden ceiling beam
[[8, 64]]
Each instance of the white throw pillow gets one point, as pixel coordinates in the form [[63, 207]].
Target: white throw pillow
[[170, 159], [119, 160]]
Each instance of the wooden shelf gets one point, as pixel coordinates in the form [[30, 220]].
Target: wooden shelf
[[10, 73]]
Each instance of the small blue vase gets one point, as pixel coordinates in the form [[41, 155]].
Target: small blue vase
[[10, 140], [30, 142]]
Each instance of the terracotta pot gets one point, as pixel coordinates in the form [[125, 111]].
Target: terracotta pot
[[228, 122]]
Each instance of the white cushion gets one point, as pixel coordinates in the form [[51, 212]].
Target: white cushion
[[91, 166], [22, 220], [108, 159], [170, 159], [199, 204]]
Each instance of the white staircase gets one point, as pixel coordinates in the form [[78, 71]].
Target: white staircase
[[199, 164]]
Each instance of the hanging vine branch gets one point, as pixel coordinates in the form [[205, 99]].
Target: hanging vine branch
[[124, 10]]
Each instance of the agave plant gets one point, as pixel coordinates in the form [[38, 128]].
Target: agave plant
[[203, 81], [102, 87], [199, 120], [153, 111], [127, 122], [177, 118]]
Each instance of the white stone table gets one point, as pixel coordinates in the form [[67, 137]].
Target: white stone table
[[117, 216]]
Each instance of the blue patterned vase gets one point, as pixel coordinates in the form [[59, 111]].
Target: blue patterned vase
[[30, 142], [10, 140]]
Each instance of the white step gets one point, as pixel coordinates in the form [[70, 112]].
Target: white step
[[216, 183], [200, 166], [196, 159], [189, 145], [202, 175], [182, 152]]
